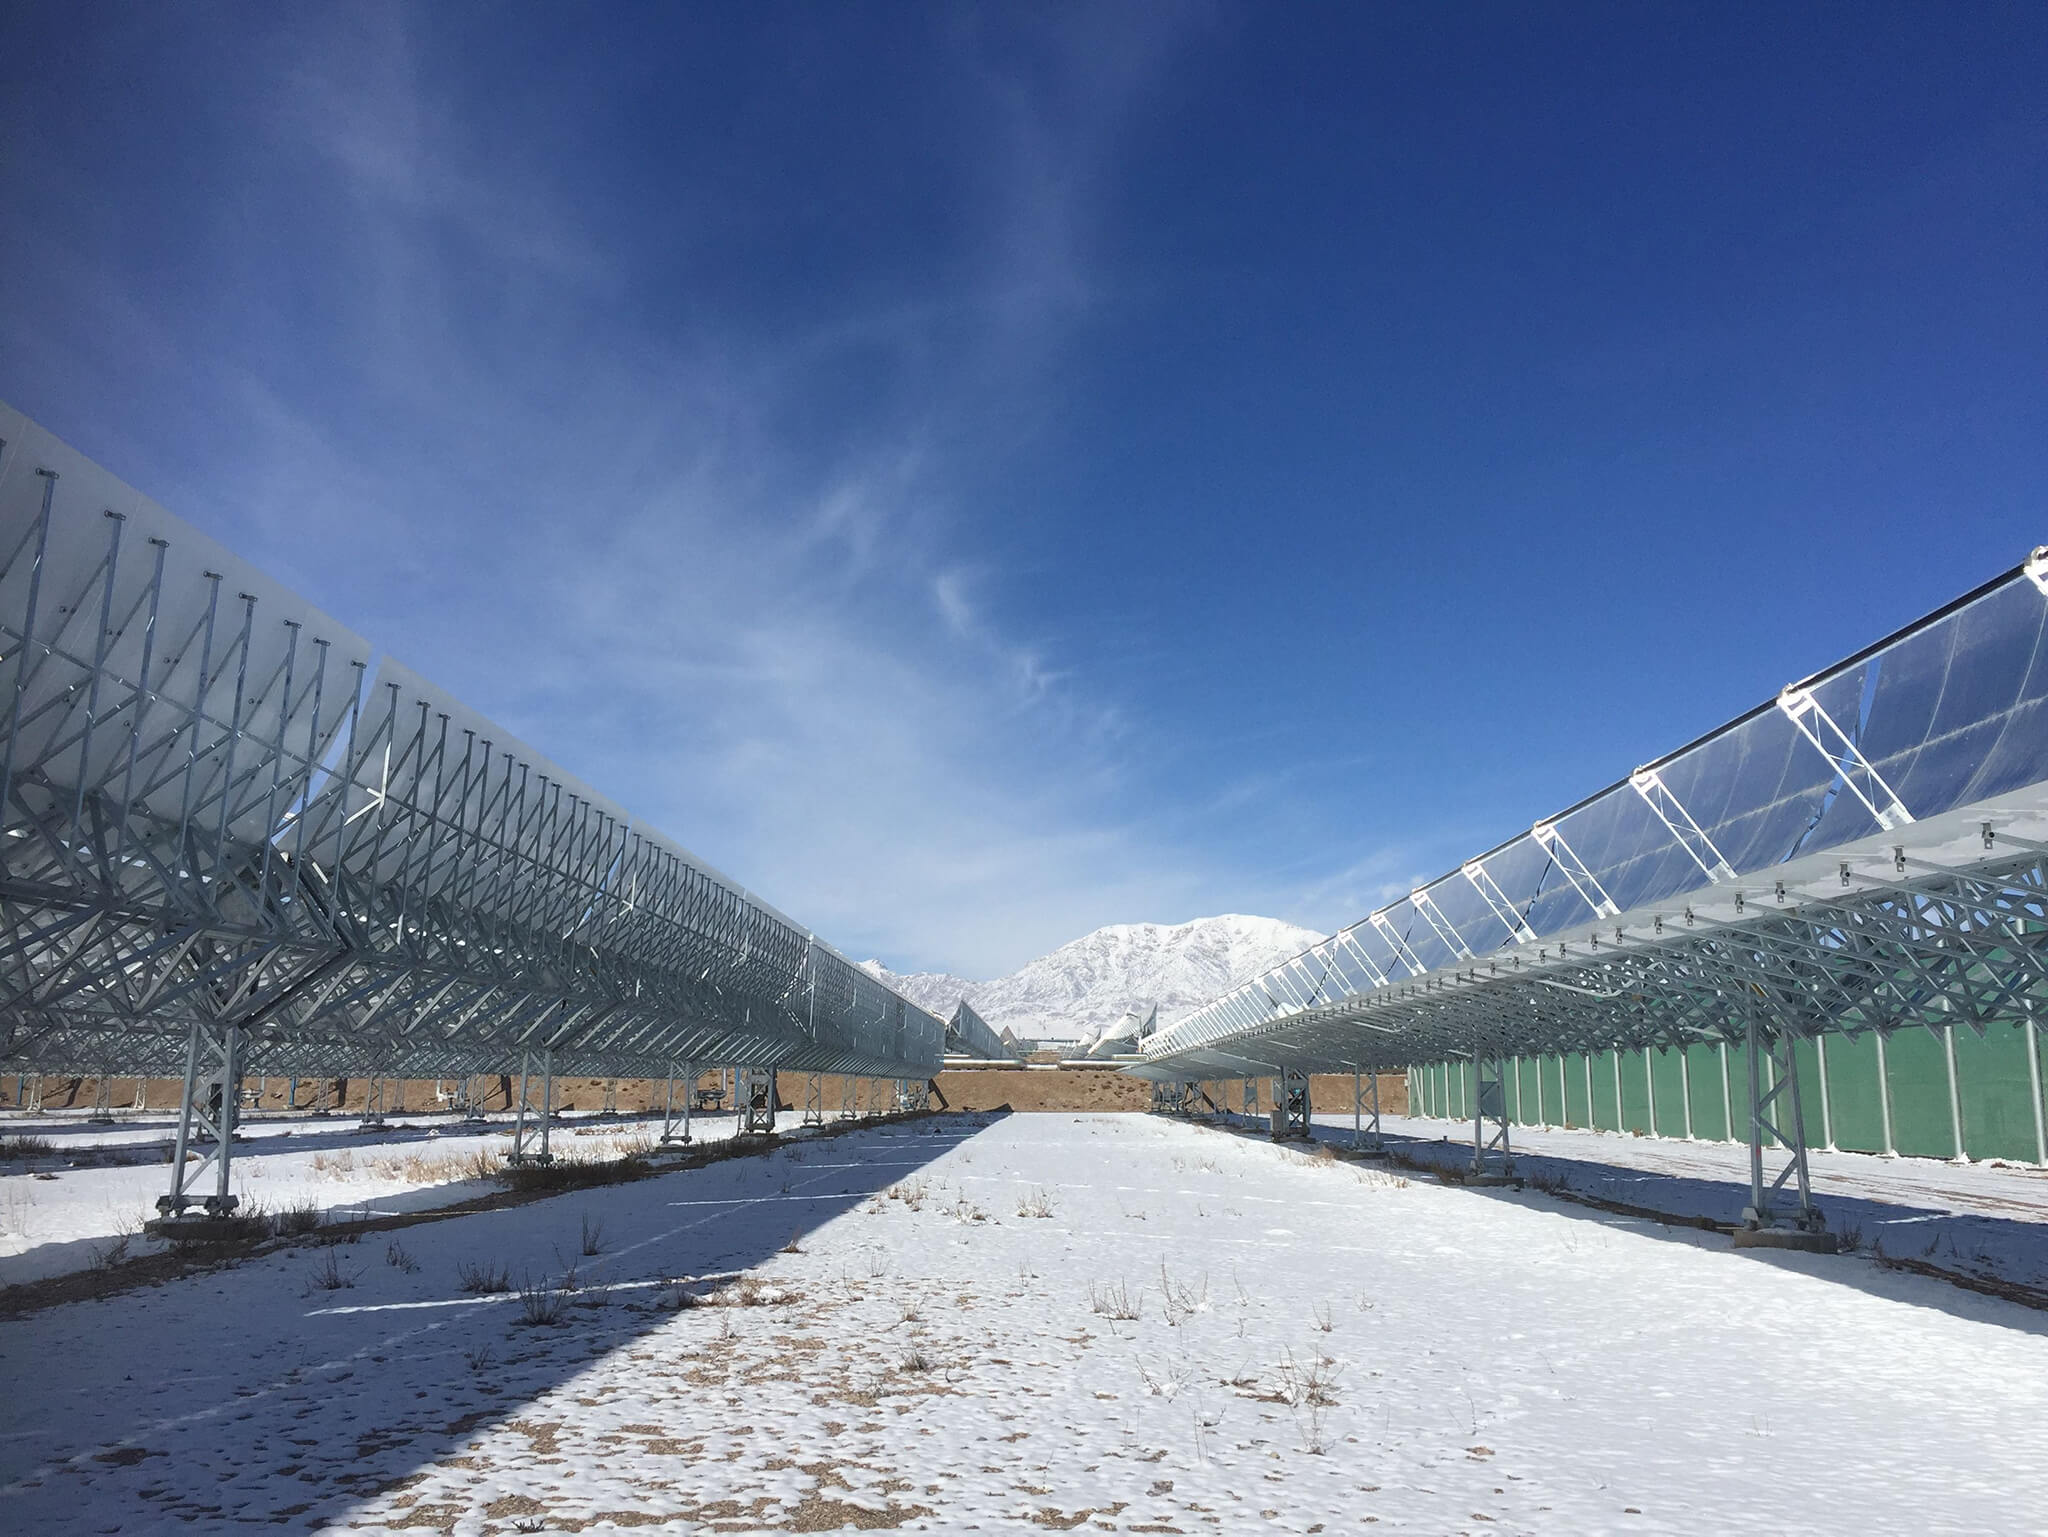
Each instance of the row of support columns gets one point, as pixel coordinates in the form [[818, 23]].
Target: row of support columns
[[209, 1107], [1781, 1211]]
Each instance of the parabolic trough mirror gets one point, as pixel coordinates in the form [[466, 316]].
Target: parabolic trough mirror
[[233, 839]]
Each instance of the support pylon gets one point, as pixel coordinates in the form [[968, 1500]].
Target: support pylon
[[208, 1107], [1169, 1098], [755, 1087], [1291, 1108], [1778, 1217], [672, 1129], [530, 1124], [1365, 1115], [1493, 1157], [103, 1099], [814, 1099]]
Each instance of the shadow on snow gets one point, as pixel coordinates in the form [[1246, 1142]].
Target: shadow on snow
[[263, 1392]]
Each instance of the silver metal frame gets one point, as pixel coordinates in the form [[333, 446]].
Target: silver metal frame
[[1764, 884], [222, 838]]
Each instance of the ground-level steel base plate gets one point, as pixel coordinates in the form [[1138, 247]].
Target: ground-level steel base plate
[[196, 1229], [1786, 1238]]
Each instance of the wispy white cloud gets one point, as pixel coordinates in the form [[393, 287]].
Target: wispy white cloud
[[791, 647], [792, 654]]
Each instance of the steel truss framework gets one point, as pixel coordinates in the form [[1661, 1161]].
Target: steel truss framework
[[224, 843], [1788, 876]]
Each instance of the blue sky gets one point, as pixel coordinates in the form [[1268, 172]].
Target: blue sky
[[979, 473]]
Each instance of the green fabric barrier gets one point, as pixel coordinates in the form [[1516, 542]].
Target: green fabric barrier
[[1918, 1072], [1992, 1079], [1667, 1076], [1635, 1092], [1709, 1104], [1606, 1113], [1854, 1107], [1991, 1075], [1807, 1058], [1578, 1091]]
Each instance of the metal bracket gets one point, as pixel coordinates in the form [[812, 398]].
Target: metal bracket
[[1401, 951], [1496, 899], [1433, 915], [1582, 879], [1858, 774], [1688, 834]]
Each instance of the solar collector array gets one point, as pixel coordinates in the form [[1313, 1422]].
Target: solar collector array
[[212, 810], [1948, 716]]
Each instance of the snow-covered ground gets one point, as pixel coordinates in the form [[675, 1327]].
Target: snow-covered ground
[[1115, 1321], [100, 1183], [1982, 1219]]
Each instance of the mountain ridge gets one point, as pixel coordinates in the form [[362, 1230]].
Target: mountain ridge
[[1092, 981]]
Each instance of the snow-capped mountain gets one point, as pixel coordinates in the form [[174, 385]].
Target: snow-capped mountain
[[1092, 982]]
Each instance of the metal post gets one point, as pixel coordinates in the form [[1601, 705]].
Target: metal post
[[755, 1087], [1955, 1098], [814, 1099], [1884, 1095], [669, 1131], [530, 1141], [1771, 1219], [1727, 1094], [1493, 1158], [1827, 1116], [1291, 1108], [373, 1099], [207, 1109], [1685, 1087], [2034, 1083], [1365, 1114]]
